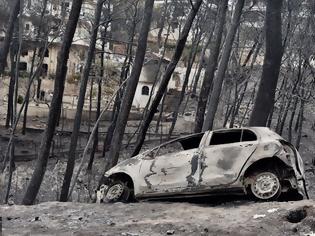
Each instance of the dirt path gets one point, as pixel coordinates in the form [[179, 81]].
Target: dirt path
[[160, 218]]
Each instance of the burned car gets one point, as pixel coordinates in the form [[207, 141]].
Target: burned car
[[254, 161]]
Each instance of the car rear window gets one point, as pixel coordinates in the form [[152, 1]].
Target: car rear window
[[232, 136]]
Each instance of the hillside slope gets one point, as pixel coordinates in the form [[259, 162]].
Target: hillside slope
[[156, 218]]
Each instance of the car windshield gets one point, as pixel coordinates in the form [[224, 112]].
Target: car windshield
[[176, 145]]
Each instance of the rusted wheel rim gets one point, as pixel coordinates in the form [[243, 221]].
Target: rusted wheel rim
[[266, 185], [115, 192]]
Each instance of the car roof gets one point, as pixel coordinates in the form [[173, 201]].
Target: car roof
[[263, 132]]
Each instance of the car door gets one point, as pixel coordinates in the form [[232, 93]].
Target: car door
[[170, 172], [225, 155]]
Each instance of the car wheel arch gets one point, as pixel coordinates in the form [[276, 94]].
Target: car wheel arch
[[268, 163], [124, 177]]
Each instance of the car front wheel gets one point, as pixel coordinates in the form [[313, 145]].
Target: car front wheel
[[265, 186], [117, 191]]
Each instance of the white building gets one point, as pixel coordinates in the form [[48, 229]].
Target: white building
[[149, 74], [147, 79], [55, 19]]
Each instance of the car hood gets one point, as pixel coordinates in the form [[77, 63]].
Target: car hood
[[125, 165]]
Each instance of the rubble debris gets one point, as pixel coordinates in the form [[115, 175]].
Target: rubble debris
[[272, 210], [129, 234], [259, 216], [296, 216], [170, 232]]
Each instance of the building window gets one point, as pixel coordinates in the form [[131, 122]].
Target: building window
[[23, 66], [46, 52], [27, 27], [44, 70], [24, 52], [145, 90]]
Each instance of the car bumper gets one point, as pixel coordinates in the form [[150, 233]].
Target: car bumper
[[301, 187], [100, 192]]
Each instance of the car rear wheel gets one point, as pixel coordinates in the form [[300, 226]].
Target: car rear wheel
[[117, 191], [265, 186]]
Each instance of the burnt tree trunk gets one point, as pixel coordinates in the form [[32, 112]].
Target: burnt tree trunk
[[180, 45], [123, 76], [27, 97], [90, 104], [80, 105], [272, 62], [9, 118], [131, 86], [61, 72], [293, 111], [211, 66], [201, 60], [300, 124], [191, 60], [98, 112], [162, 24], [39, 83], [217, 85], [4, 50]]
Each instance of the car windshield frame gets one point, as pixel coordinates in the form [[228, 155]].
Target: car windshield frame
[[157, 148]]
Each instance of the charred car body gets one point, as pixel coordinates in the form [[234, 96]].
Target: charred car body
[[254, 161]]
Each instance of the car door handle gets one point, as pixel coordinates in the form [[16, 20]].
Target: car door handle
[[246, 145]]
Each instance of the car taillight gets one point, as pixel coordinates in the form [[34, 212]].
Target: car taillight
[[288, 150]]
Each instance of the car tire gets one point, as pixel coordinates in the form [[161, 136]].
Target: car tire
[[265, 186], [117, 191]]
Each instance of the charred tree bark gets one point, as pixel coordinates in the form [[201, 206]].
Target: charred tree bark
[[39, 83], [4, 50], [90, 103], [159, 119], [27, 97], [211, 67], [98, 112], [162, 24], [131, 85], [80, 105], [123, 76], [11, 169], [272, 62], [61, 72], [300, 125], [217, 86], [180, 45], [9, 118], [201, 64], [18, 58], [296, 101], [191, 60]]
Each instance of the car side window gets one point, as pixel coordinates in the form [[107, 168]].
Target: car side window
[[232, 136], [248, 136], [225, 137], [169, 148]]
